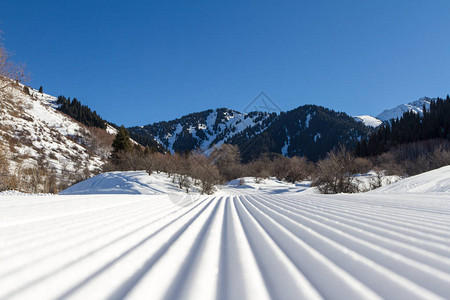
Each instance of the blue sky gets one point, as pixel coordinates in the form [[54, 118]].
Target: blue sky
[[137, 62]]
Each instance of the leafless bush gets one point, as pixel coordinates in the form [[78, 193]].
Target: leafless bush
[[227, 159], [100, 141], [4, 170], [259, 168], [362, 165], [207, 173], [335, 173], [10, 73]]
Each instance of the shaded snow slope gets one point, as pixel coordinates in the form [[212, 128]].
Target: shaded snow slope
[[435, 181], [132, 182], [398, 111], [285, 246]]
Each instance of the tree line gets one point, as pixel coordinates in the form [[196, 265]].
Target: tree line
[[79, 112], [410, 128]]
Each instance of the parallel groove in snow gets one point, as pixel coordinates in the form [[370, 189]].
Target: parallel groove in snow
[[258, 246]]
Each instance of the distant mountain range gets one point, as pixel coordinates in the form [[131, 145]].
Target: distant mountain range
[[308, 130], [398, 111]]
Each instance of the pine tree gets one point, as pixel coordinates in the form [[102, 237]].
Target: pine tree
[[41, 90], [122, 141]]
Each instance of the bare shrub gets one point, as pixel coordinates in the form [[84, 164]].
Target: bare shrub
[[100, 141], [259, 168], [280, 167], [4, 170], [227, 159], [440, 157], [207, 173], [299, 169], [362, 165], [335, 173], [10, 73]]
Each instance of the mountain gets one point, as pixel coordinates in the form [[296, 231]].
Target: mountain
[[398, 111], [203, 130], [38, 140], [309, 131], [413, 126]]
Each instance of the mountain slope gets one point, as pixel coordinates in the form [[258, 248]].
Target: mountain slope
[[308, 130], [35, 136], [398, 111], [203, 130]]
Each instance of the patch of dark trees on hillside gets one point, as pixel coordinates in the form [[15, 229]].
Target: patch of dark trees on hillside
[[79, 112]]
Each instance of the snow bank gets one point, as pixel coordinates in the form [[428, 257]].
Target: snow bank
[[249, 185], [435, 181], [131, 182]]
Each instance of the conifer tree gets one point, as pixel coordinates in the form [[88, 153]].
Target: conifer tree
[[41, 90], [122, 141]]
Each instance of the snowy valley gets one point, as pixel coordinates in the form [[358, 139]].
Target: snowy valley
[[266, 240]]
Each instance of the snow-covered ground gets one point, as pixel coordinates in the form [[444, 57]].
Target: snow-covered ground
[[248, 241], [32, 130], [430, 182]]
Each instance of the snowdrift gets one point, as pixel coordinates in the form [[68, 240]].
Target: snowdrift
[[435, 181], [131, 182]]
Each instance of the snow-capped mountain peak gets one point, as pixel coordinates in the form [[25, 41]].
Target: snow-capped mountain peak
[[398, 111], [369, 120]]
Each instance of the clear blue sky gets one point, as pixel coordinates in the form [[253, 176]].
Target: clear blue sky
[[137, 62]]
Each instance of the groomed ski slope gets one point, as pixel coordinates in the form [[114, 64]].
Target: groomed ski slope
[[258, 246]]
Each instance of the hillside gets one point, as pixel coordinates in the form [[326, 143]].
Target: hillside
[[203, 130], [308, 130], [398, 111], [302, 131], [42, 143]]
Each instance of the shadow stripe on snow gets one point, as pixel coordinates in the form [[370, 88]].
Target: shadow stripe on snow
[[374, 276], [127, 286], [90, 253], [441, 262]]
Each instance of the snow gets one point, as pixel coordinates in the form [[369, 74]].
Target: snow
[[369, 120], [110, 129], [397, 112], [269, 240], [284, 149], [233, 124], [317, 136], [435, 181], [308, 119], [132, 182], [42, 131]]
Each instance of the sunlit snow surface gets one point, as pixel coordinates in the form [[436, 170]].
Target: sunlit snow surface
[[266, 241]]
